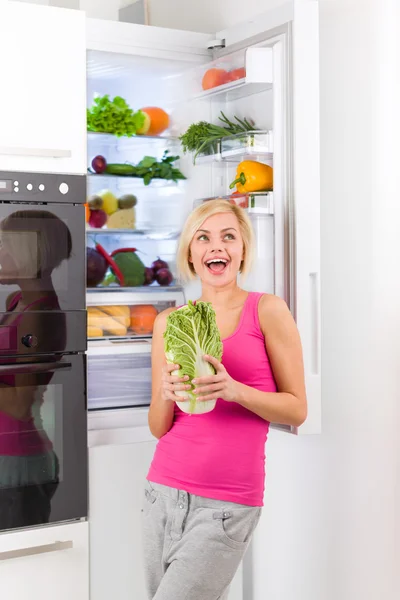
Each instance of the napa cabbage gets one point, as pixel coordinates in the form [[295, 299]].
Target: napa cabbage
[[191, 333]]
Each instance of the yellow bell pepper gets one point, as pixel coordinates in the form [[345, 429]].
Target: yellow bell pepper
[[252, 176]]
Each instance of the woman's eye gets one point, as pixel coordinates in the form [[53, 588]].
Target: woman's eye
[[229, 236], [202, 238]]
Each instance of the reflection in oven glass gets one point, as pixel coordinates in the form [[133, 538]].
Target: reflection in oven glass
[[32, 244], [30, 453]]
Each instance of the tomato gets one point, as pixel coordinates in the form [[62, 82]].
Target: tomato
[[237, 74], [213, 78]]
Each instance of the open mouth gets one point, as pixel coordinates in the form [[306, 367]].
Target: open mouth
[[217, 265]]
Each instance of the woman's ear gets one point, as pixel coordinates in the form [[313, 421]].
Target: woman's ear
[[190, 257]]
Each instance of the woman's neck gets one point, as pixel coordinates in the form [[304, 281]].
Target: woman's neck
[[223, 297], [35, 290]]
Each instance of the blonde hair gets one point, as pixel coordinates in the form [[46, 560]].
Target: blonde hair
[[196, 219]]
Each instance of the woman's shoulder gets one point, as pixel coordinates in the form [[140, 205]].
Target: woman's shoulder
[[272, 303], [160, 322], [270, 308]]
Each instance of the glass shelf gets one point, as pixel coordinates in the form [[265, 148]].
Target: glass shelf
[[124, 142], [149, 234], [124, 181]]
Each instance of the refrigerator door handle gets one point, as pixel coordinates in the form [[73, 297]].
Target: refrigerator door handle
[[32, 551], [32, 368], [315, 323]]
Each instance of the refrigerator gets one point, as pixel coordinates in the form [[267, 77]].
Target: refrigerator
[[159, 67], [275, 59]]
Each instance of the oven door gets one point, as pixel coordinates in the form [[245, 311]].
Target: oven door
[[43, 441], [42, 257]]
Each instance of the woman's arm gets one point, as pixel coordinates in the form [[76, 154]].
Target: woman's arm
[[287, 406], [161, 412]]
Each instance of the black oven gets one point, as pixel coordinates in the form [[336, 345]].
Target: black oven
[[43, 408]]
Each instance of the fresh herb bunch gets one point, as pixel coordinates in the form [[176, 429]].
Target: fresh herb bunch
[[149, 168], [113, 116], [202, 136]]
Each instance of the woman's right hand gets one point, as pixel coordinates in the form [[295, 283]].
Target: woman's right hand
[[171, 384]]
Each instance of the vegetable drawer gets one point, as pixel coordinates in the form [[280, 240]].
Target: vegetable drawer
[[119, 374]]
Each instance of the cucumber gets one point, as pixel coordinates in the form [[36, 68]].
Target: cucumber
[[120, 169]]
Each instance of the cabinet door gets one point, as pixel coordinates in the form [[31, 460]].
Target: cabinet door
[[117, 474], [50, 559], [43, 100]]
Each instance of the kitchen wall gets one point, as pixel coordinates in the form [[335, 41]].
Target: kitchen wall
[[330, 529]]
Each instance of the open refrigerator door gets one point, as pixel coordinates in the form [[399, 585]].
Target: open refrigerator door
[[280, 94]]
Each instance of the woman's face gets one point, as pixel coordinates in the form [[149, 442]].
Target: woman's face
[[216, 250]]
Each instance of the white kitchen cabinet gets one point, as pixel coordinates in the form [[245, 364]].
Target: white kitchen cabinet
[[44, 563], [43, 99], [117, 472]]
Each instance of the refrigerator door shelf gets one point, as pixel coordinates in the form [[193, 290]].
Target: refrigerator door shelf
[[255, 203], [253, 145], [250, 144], [234, 76]]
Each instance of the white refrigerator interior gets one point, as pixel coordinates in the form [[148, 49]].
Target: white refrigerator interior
[[149, 66]]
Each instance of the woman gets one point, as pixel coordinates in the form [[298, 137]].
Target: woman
[[206, 482]]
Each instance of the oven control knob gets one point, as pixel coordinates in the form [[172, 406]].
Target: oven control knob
[[29, 340]]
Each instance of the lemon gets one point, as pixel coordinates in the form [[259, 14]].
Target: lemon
[[110, 201]]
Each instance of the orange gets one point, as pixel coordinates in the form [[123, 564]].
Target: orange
[[159, 120], [142, 319], [87, 212]]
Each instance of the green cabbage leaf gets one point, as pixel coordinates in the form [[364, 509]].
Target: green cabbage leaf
[[191, 333]]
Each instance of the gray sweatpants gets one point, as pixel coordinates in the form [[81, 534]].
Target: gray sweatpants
[[193, 545]]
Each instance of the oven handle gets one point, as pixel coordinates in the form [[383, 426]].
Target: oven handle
[[33, 550], [32, 368]]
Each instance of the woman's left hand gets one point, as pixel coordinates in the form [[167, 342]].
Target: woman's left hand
[[220, 385]]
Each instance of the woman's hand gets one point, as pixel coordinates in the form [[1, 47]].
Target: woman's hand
[[170, 384], [220, 385]]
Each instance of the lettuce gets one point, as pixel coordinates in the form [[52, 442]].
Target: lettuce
[[191, 333], [113, 116]]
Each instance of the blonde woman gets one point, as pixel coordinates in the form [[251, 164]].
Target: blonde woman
[[205, 486]]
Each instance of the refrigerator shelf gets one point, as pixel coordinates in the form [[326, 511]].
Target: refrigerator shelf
[[130, 337], [110, 140], [144, 234], [261, 203], [148, 294], [124, 181]]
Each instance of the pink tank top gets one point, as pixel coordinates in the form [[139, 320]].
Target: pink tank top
[[221, 454]]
